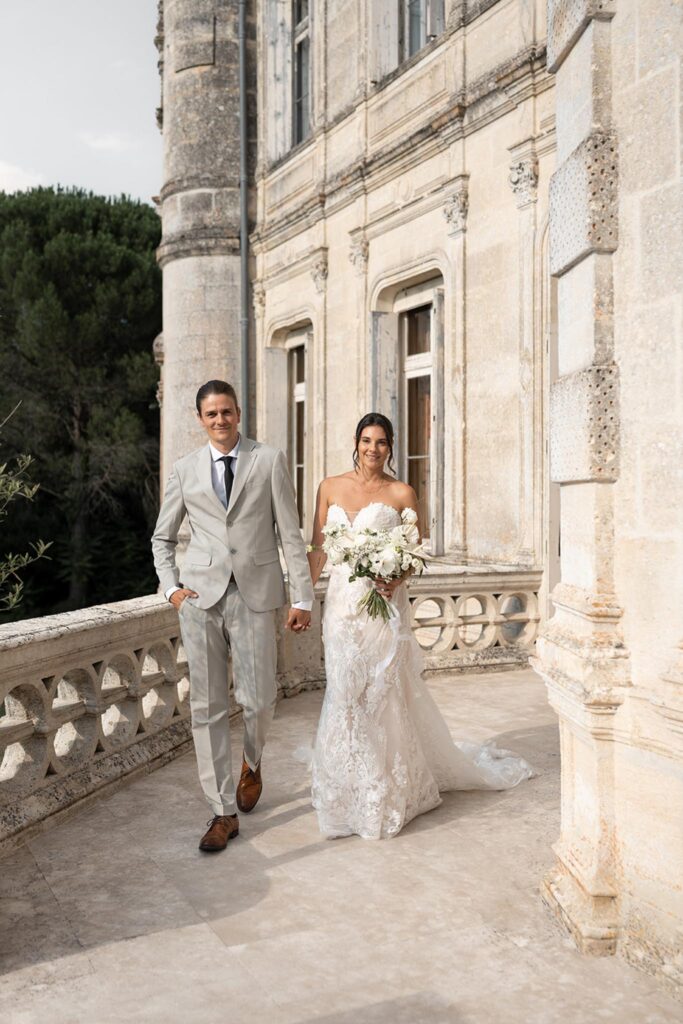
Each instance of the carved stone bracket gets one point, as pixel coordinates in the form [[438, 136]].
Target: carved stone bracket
[[584, 426], [584, 203], [456, 206], [320, 271], [259, 296], [523, 179], [358, 253]]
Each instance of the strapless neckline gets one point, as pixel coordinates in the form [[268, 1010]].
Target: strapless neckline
[[372, 504]]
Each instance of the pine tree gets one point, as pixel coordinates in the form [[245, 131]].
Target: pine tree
[[80, 306]]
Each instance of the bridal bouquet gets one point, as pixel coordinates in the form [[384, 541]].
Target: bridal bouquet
[[376, 553]]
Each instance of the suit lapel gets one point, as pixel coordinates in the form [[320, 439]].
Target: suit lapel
[[205, 481], [245, 463]]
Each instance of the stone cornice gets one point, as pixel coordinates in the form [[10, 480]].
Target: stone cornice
[[512, 81], [214, 182], [200, 242]]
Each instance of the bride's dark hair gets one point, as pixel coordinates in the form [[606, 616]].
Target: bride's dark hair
[[376, 419]]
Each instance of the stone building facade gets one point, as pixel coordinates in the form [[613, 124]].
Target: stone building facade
[[466, 214]]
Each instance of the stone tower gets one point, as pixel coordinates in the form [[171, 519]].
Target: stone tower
[[199, 203]]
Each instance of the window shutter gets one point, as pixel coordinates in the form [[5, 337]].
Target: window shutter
[[384, 37]]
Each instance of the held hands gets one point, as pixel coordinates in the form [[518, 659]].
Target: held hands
[[387, 587], [298, 621], [178, 596]]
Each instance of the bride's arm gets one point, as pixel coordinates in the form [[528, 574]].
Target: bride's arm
[[317, 557]]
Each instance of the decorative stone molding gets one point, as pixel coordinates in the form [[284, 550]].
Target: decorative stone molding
[[259, 296], [199, 242], [320, 271], [456, 207], [584, 426], [359, 253], [523, 179], [567, 19], [584, 203]]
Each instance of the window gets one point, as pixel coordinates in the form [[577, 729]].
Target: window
[[416, 333], [297, 424], [414, 26], [301, 71], [420, 21]]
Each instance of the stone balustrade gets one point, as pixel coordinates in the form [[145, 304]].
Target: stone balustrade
[[475, 617], [90, 697]]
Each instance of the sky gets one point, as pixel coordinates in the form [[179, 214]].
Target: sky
[[78, 92]]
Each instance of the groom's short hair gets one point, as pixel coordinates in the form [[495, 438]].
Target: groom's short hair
[[216, 387]]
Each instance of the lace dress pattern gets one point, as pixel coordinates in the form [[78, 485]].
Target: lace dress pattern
[[383, 752]]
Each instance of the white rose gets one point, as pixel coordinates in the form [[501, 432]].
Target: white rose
[[409, 515]]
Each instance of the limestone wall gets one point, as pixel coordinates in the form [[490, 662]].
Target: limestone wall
[[437, 171], [648, 325], [609, 653]]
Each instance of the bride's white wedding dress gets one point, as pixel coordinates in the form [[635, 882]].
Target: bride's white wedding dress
[[383, 752]]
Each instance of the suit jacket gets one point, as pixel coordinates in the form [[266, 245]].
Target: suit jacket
[[240, 541]]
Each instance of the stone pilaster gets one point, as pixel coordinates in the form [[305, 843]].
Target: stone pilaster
[[455, 211], [581, 654]]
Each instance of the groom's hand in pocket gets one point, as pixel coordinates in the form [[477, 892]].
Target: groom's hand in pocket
[[178, 596], [298, 621]]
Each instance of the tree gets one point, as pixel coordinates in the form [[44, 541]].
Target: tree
[[80, 306]]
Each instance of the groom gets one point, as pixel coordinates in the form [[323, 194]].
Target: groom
[[234, 492]]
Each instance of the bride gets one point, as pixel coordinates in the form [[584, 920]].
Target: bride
[[383, 752]]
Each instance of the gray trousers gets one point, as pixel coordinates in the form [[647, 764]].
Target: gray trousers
[[209, 636]]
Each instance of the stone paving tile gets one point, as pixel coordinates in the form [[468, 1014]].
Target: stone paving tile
[[114, 915]]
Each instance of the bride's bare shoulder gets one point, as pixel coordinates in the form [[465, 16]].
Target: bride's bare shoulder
[[403, 494], [332, 485]]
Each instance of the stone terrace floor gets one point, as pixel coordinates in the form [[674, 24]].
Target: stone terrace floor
[[114, 916]]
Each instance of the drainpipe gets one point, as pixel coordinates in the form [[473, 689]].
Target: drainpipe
[[244, 219]]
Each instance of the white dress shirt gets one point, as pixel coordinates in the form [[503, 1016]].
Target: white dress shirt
[[218, 482]]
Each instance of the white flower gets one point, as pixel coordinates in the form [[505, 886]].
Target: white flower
[[386, 562], [411, 535], [409, 515]]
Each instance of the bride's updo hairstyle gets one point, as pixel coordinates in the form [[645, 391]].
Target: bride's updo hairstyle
[[376, 419]]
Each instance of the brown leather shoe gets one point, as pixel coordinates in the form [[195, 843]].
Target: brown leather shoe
[[221, 828], [249, 788]]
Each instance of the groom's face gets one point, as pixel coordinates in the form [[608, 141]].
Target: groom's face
[[220, 417]]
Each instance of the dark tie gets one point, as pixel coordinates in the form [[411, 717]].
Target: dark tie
[[227, 459]]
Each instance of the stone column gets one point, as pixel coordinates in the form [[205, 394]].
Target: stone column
[[582, 655], [199, 251]]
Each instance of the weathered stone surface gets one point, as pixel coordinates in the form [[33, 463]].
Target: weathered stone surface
[[567, 19], [584, 433], [583, 203], [364, 932]]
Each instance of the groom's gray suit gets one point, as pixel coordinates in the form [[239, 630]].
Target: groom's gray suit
[[232, 562]]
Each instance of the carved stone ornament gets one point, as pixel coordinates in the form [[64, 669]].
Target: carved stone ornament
[[455, 210], [358, 254], [319, 272], [259, 296], [524, 181]]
